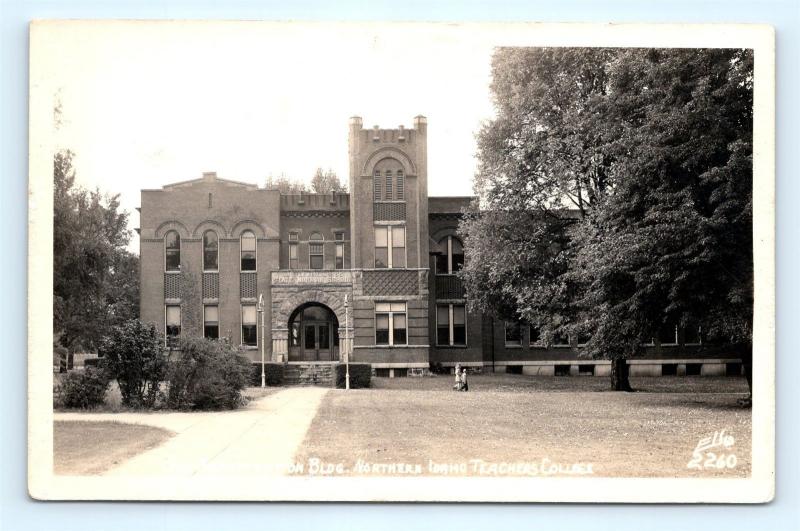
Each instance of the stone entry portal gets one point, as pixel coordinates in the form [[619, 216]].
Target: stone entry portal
[[313, 334]]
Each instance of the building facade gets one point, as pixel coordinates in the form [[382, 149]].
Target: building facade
[[372, 270]]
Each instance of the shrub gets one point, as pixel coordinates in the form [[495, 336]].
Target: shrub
[[360, 375], [133, 353], [207, 374], [84, 389], [273, 373]]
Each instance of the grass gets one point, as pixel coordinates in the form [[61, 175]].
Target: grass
[[83, 448], [510, 418]]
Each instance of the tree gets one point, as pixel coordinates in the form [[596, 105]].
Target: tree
[[286, 185], [326, 182], [95, 279], [651, 153]]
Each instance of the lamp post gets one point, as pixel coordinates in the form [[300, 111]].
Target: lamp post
[[346, 343], [260, 309]]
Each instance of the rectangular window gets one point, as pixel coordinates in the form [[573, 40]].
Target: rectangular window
[[398, 245], [293, 261], [390, 246], [668, 334], [173, 325], [390, 323], [451, 324], [534, 338], [388, 186], [560, 340], [211, 322], [381, 246], [400, 186], [513, 335], [249, 326], [315, 256], [692, 335], [339, 256], [376, 184]]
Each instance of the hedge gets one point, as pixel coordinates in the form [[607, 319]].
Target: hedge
[[273, 371], [360, 375]]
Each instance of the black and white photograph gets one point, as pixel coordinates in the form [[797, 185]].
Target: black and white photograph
[[401, 262]]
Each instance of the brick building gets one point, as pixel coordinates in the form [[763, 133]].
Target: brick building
[[211, 247]]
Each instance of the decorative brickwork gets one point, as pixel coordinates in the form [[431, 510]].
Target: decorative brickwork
[[247, 285], [210, 285], [390, 211], [449, 287], [172, 286], [391, 282]]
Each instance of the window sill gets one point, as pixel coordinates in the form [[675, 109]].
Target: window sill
[[513, 346], [451, 346], [250, 347]]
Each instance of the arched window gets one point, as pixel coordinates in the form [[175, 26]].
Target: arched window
[[315, 251], [172, 251], [210, 251], [248, 245], [451, 257]]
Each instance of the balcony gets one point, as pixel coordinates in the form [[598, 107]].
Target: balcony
[[449, 287]]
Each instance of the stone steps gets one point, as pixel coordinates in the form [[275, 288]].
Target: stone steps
[[308, 374]]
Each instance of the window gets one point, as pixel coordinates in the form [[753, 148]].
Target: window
[[211, 322], [451, 257], [534, 337], [668, 334], [390, 323], [388, 185], [451, 325], [293, 246], [513, 335], [560, 340], [315, 251], [692, 335], [172, 250], [173, 325], [339, 256], [377, 194], [390, 246], [400, 186], [210, 251], [249, 328], [248, 245]]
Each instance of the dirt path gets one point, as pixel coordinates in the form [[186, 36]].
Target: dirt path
[[261, 439]]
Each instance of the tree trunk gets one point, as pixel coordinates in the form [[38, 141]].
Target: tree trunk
[[619, 375]]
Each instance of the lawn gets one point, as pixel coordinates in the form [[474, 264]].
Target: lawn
[[515, 418], [88, 448]]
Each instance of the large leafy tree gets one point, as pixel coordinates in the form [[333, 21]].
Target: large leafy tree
[[641, 161], [95, 279], [325, 182]]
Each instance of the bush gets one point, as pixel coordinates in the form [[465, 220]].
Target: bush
[[133, 354], [84, 389], [207, 374], [273, 373], [360, 375]]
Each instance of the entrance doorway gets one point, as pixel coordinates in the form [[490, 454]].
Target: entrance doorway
[[313, 334]]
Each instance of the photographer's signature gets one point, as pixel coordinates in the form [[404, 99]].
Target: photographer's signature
[[704, 459]]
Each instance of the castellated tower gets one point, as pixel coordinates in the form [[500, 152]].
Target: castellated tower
[[389, 195]]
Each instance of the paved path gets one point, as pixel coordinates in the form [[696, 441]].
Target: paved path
[[260, 439]]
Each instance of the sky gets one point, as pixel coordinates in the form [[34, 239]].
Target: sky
[[147, 105]]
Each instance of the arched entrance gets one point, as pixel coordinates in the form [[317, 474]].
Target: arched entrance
[[313, 333]]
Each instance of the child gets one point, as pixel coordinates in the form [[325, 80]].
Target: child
[[457, 386], [464, 383]]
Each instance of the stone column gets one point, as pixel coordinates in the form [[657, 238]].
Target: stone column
[[280, 345]]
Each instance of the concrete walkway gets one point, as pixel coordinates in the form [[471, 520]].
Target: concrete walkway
[[257, 440]]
